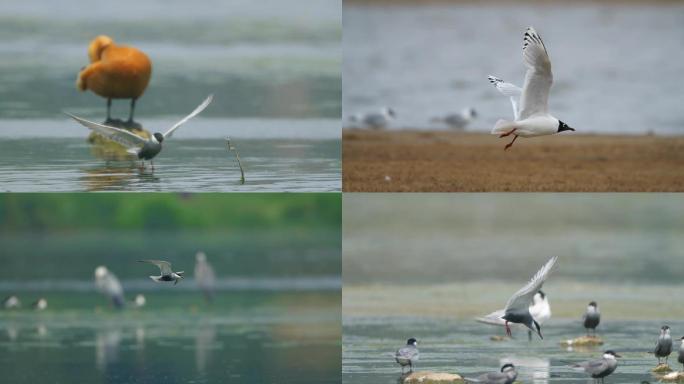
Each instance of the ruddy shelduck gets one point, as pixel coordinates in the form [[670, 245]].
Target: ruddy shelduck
[[115, 72]]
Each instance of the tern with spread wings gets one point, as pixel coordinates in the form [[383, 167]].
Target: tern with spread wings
[[167, 274], [517, 309], [142, 148], [531, 117]]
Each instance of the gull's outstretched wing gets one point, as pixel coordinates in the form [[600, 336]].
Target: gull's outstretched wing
[[522, 299], [535, 95], [493, 318], [164, 266], [192, 114], [507, 89], [126, 138]]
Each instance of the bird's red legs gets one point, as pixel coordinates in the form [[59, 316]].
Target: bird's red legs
[[511, 143], [507, 133], [508, 330]]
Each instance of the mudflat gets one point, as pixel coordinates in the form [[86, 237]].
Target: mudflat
[[443, 161]]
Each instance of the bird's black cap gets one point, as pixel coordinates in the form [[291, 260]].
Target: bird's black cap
[[509, 365], [564, 127], [159, 137], [411, 341], [593, 304]]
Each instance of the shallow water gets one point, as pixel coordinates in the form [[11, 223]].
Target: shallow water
[[464, 347], [426, 61], [188, 165], [243, 337]]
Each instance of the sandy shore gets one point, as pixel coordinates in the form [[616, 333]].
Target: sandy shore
[[388, 161]]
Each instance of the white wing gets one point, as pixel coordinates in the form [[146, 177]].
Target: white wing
[[493, 318], [126, 138], [522, 299], [507, 89], [192, 114], [164, 266], [538, 79]]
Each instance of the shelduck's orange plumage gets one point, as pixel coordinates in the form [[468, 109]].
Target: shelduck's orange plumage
[[115, 72]]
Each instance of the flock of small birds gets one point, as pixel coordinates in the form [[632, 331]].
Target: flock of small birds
[[529, 307], [109, 285]]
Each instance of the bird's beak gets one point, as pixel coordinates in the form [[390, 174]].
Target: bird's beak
[[616, 355]]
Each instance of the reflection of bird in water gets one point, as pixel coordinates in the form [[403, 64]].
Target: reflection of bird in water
[[115, 72], [139, 300], [40, 304], [166, 273], [457, 120], [204, 275], [11, 302], [205, 343], [107, 343], [116, 176], [107, 283], [539, 309]]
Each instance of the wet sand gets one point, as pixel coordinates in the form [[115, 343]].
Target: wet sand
[[442, 161]]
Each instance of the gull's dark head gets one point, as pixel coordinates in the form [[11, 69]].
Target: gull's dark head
[[412, 341], [542, 294], [611, 353], [159, 137], [472, 113], [507, 367], [391, 113], [665, 328], [564, 127], [593, 304]]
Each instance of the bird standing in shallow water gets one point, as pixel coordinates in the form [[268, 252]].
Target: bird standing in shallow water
[[600, 368], [115, 72], [592, 318], [663, 346], [506, 375], [407, 355]]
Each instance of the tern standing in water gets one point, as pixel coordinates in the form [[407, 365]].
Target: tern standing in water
[[506, 375], [107, 283], [408, 354], [166, 273], [517, 309], [540, 309], [592, 318], [663, 346], [533, 118], [600, 368]]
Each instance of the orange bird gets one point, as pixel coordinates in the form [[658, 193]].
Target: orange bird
[[115, 72]]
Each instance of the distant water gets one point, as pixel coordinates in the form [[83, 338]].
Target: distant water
[[611, 73], [245, 337], [464, 347]]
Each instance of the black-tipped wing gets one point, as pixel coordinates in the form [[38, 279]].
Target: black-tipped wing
[[538, 79]]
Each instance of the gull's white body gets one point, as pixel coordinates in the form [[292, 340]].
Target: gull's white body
[[531, 116]]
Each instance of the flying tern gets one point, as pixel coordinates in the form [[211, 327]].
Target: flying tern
[[166, 273]]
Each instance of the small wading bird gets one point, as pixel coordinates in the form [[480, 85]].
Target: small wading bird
[[506, 375], [407, 355], [592, 318], [166, 273], [108, 284], [533, 118], [142, 148], [204, 275], [539, 309], [457, 120], [599, 368], [663, 346], [375, 120], [115, 72], [517, 309]]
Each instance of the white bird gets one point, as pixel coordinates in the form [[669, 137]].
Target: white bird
[[375, 120], [204, 275], [11, 302], [166, 273], [540, 309], [457, 120], [142, 148], [40, 304], [532, 118], [517, 309], [139, 301], [107, 283]]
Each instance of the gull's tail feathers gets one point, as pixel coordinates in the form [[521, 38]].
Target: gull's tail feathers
[[503, 126]]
